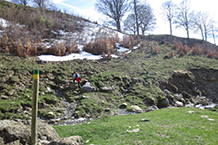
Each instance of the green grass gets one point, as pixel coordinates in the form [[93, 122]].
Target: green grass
[[166, 126]]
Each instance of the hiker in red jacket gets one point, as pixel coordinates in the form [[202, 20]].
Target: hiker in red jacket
[[77, 77]]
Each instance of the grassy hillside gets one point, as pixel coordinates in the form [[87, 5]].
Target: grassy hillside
[[136, 79], [166, 126]]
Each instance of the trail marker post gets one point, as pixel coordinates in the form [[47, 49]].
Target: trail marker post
[[34, 107]]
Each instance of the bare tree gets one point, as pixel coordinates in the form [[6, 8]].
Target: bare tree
[[146, 18], [135, 5], [22, 2], [114, 9], [183, 16], [129, 24], [214, 31], [43, 4], [168, 9], [197, 23], [207, 24]]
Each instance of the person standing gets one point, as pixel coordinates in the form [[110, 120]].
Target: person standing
[[77, 77]]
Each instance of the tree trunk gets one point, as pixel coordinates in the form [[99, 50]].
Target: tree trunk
[[118, 25], [136, 18], [171, 31], [202, 33]]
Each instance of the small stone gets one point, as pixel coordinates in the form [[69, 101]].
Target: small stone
[[145, 120], [204, 116], [50, 113], [107, 110], [211, 119], [213, 79], [3, 97], [123, 105], [131, 131], [191, 112]]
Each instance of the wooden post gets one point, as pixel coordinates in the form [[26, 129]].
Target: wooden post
[[34, 107]]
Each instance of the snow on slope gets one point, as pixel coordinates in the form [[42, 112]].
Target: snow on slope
[[91, 31]]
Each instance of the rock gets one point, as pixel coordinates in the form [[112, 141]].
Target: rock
[[163, 102], [152, 108], [50, 113], [131, 131], [135, 80], [178, 96], [136, 109], [145, 120], [186, 95], [107, 89], [107, 110], [204, 116], [200, 106], [74, 140], [213, 79], [19, 133], [211, 119], [178, 104], [88, 88], [191, 112], [3, 97], [210, 106], [191, 105], [123, 106]]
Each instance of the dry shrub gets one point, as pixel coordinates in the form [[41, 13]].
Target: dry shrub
[[62, 49], [175, 45], [165, 45], [197, 50], [7, 49], [172, 53], [72, 48], [142, 45], [128, 41], [99, 46], [109, 57], [184, 49], [28, 46], [156, 50], [44, 49], [19, 48], [126, 55], [103, 55], [34, 50], [4, 41], [147, 43], [211, 53], [182, 53], [88, 47]]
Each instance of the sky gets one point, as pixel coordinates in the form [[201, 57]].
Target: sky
[[86, 8]]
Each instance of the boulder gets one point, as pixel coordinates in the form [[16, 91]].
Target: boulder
[[107, 89], [178, 104], [19, 132], [163, 102], [88, 88], [136, 109], [152, 108], [3, 97], [123, 106]]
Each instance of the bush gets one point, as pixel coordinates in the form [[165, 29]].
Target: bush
[[172, 53], [100, 45], [175, 45]]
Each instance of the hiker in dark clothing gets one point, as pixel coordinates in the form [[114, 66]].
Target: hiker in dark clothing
[[77, 77]]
